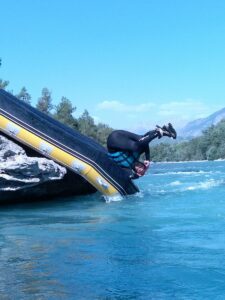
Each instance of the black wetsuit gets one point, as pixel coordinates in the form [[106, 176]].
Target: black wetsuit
[[125, 147]]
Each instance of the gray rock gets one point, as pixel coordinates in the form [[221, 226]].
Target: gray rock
[[25, 178]]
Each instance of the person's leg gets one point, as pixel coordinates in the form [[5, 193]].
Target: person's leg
[[148, 137], [166, 130], [121, 140]]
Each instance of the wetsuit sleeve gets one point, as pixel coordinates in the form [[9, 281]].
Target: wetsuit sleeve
[[147, 153], [134, 176]]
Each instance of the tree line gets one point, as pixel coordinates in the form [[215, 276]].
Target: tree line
[[209, 146]]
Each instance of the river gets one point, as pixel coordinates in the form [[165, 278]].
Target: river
[[167, 242]]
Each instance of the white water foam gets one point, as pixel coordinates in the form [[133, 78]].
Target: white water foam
[[175, 183], [114, 198], [204, 185], [187, 173], [182, 162]]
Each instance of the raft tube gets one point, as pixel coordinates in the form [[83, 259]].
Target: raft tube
[[64, 145]]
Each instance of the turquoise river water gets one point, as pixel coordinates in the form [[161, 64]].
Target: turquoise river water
[[167, 242]]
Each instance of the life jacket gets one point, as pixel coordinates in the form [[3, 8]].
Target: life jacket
[[125, 159]]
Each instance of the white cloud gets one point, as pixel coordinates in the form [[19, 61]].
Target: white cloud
[[122, 107], [186, 110], [146, 115]]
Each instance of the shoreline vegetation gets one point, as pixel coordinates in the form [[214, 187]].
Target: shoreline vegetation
[[209, 146], [186, 161]]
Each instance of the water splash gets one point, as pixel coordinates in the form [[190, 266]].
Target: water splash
[[175, 183], [205, 185], [115, 198]]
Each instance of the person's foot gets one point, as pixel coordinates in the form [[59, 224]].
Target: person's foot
[[166, 130]]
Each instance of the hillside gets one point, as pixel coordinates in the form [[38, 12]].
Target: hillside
[[209, 146], [196, 127]]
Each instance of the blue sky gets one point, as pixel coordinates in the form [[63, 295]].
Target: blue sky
[[131, 63]]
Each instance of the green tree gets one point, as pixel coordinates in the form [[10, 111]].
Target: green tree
[[102, 133], [24, 95], [44, 103], [86, 124], [64, 113], [3, 83], [210, 145], [211, 153]]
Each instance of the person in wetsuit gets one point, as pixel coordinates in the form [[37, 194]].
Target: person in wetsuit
[[125, 147]]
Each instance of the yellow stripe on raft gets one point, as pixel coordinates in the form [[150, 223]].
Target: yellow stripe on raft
[[80, 167]]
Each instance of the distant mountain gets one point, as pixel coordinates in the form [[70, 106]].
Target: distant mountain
[[195, 128]]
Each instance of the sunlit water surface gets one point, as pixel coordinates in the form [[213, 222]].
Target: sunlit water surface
[[167, 242]]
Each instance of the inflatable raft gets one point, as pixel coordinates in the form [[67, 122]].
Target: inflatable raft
[[64, 145]]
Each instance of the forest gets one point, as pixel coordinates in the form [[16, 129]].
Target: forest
[[209, 146]]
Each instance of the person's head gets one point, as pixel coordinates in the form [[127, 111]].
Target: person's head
[[140, 168]]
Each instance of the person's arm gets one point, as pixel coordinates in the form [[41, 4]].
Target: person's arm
[[147, 153], [134, 176]]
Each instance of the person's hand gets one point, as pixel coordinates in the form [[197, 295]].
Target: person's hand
[[147, 164]]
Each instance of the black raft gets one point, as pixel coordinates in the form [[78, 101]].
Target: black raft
[[63, 144]]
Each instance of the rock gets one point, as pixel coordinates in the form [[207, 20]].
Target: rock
[[26, 178]]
